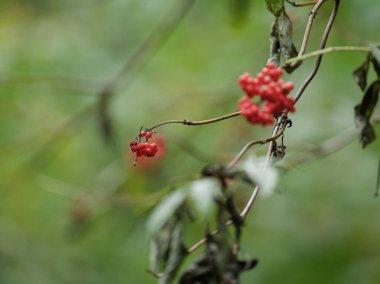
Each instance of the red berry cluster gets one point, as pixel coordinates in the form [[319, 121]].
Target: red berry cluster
[[272, 92], [144, 148]]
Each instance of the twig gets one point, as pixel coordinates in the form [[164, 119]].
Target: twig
[[319, 58], [327, 50], [253, 196], [155, 274], [238, 157], [308, 26], [200, 122], [295, 4]]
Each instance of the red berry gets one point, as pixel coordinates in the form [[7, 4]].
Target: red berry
[[147, 152], [288, 86], [142, 133], [154, 147], [271, 65], [272, 92], [265, 71], [148, 134], [279, 71]]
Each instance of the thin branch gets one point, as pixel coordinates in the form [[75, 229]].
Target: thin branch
[[295, 4], [253, 196], [319, 58], [155, 274], [199, 122], [327, 50], [308, 26], [238, 157]]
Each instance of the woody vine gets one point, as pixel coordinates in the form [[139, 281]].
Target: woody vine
[[267, 100]]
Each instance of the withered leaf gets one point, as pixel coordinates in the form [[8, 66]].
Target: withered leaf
[[218, 265], [375, 59], [274, 45], [281, 41], [375, 50], [363, 113], [285, 31], [360, 74]]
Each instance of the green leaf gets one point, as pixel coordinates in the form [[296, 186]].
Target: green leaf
[[360, 74], [265, 177], [275, 6], [165, 211], [363, 113]]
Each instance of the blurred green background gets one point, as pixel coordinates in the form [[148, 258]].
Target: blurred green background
[[73, 208]]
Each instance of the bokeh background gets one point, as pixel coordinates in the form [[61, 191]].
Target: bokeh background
[[73, 208]]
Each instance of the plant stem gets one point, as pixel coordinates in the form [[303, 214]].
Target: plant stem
[[319, 58], [199, 122], [253, 196], [327, 50], [238, 157], [308, 26]]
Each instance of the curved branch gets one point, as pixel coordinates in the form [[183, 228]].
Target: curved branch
[[322, 46], [305, 39], [238, 157]]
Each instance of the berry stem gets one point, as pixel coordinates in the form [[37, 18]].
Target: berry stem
[[199, 122]]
